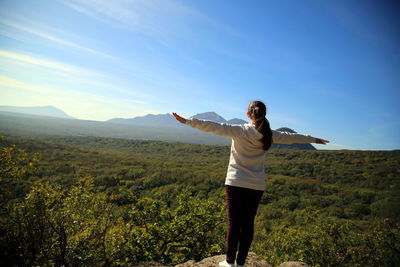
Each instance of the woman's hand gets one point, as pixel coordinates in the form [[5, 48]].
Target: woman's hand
[[321, 141], [179, 118]]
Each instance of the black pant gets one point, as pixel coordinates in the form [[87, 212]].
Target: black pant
[[242, 204]]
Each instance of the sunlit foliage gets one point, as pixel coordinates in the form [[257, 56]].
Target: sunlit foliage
[[142, 201]]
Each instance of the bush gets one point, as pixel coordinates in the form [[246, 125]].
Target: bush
[[332, 243], [192, 230], [78, 228], [54, 227]]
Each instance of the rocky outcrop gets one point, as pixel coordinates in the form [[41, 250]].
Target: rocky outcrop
[[147, 264], [293, 264], [252, 261]]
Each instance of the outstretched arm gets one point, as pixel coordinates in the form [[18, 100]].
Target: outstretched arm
[[321, 141], [222, 129], [179, 118], [278, 137], [295, 138]]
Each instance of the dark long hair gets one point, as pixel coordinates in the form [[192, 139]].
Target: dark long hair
[[257, 111]]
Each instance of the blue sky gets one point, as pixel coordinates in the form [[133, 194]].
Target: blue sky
[[325, 68]]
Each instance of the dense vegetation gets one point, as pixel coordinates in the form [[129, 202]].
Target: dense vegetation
[[104, 201]]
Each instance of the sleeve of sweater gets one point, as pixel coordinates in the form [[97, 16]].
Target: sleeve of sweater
[[222, 129], [291, 138]]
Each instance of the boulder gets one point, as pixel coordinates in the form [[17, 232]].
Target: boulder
[[252, 261], [148, 264], [293, 264]]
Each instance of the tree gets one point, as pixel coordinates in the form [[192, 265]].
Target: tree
[[57, 227], [192, 230], [16, 166]]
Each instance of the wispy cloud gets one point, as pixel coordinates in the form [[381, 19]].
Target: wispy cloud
[[158, 18], [7, 82], [43, 89], [76, 103], [172, 24], [46, 36], [19, 64], [40, 62]]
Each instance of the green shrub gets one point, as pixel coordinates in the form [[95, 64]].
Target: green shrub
[[331, 243]]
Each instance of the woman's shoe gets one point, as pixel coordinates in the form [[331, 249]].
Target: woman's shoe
[[226, 264]]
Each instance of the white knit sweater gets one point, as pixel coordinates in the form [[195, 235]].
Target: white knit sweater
[[246, 163]]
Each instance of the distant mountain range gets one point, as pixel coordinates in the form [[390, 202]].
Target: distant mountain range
[[212, 116], [169, 120], [49, 111], [149, 119], [163, 127]]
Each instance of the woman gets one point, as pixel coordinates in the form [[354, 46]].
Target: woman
[[245, 183]]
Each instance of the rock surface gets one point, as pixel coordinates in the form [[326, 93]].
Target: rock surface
[[252, 261], [293, 264], [149, 264]]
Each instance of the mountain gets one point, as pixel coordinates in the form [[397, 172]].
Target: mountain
[[237, 121], [150, 120], [48, 111], [212, 116], [292, 146], [209, 116], [167, 120]]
